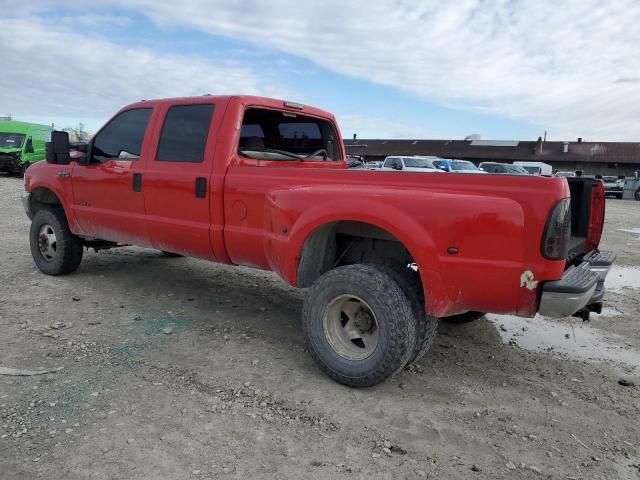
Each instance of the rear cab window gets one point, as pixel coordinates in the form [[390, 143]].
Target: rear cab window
[[274, 135], [184, 133]]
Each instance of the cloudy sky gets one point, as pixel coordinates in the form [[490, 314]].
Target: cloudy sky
[[506, 69]]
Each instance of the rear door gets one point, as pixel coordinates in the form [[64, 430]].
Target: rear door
[[176, 183], [108, 202]]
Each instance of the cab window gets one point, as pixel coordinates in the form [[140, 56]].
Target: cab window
[[122, 137], [184, 133], [287, 136]]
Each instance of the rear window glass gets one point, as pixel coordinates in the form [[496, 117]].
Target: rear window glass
[[277, 135], [184, 133], [293, 131], [251, 130]]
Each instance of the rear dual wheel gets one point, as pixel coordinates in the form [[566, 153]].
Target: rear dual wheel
[[360, 325]]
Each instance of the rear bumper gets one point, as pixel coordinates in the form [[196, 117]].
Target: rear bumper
[[579, 287]]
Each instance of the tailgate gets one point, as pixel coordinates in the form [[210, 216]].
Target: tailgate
[[587, 215], [580, 290]]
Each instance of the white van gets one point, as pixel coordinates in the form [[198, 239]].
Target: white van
[[536, 168], [410, 164]]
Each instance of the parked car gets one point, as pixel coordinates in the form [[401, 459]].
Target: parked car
[[536, 168], [613, 185], [373, 165], [354, 161], [506, 168], [564, 174], [410, 164], [457, 166], [382, 256], [21, 144]]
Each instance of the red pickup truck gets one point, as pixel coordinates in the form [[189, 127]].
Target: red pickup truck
[[383, 255]]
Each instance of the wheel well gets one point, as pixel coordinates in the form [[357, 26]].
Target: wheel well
[[43, 198], [346, 243]]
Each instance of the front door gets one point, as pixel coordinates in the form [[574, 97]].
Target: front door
[[177, 186], [107, 192]]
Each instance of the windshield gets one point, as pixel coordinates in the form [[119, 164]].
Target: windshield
[[517, 169], [418, 163], [533, 170], [11, 140], [503, 168], [463, 165], [610, 179], [565, 174]]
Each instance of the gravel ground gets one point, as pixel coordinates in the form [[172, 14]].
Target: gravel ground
[[176, 368]]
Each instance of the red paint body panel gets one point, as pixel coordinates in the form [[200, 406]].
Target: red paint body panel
[[260, 213]]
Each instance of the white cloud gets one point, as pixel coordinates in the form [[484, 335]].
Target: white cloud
[[366, 126], [54, 72], [96, 20], [563, 65]]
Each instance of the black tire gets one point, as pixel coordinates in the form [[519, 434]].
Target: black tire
[[392, 316], [464, 317], [58, 257], [637, 195], [170, 254], [426, 325]]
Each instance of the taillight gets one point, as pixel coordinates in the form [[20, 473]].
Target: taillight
[[557, 232], [596, 217]]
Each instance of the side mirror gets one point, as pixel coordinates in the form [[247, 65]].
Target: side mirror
[[58, 148], [397, 166], [28, 148]]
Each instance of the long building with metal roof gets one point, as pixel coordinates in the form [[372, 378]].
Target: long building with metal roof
[[605, 158]]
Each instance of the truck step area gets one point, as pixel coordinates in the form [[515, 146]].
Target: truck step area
[[575, 280], [600, 258]]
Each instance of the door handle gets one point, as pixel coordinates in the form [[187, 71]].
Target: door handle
[[137, 182], [201, 187]]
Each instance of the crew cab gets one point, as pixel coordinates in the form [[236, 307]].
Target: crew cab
[[383, 255]]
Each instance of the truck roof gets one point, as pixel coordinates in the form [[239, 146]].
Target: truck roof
[[248, 100], [13, 126]]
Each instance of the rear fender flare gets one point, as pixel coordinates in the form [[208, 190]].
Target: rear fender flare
[[419, 244]]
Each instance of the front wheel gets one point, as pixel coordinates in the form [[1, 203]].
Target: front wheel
[[637, 195], [358, 325], [55, 250]]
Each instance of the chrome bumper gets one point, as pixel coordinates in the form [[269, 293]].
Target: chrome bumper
[[580, 286], [26, 204]]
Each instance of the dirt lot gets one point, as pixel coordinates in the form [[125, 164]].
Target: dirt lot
[[175, 368]]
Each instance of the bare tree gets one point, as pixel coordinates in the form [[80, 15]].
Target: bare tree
[[78, 133]]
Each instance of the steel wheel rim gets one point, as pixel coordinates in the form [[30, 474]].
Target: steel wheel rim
[[350, 327], [47, 242]]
